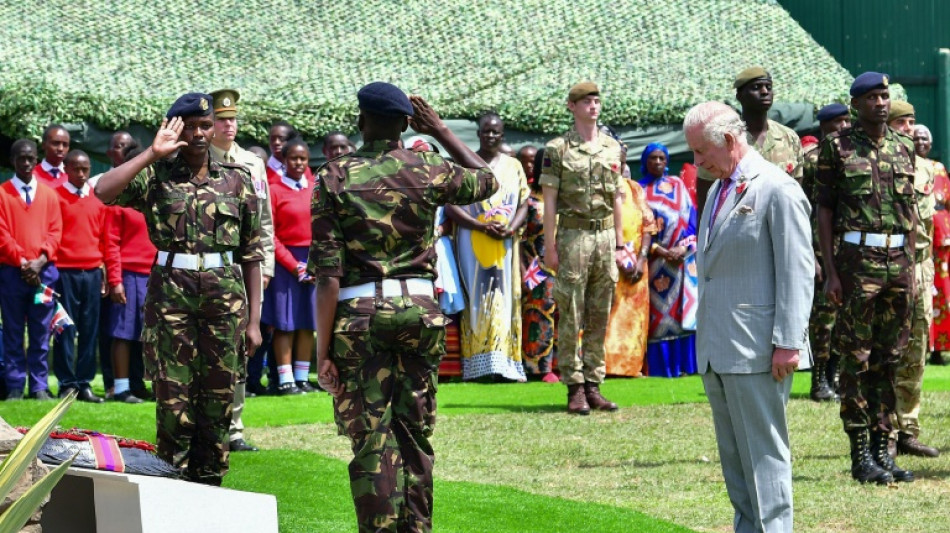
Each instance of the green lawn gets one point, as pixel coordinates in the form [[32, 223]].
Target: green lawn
[[510, 460]]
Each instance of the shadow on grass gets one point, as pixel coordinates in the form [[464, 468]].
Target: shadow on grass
[[489, 407]]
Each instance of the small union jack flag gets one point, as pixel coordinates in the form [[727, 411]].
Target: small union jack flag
[[503, 209], [60, 320], [535, 275], [44, 295], [628, 256]]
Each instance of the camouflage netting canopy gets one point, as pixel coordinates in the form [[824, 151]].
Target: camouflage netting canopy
[[83, 62]]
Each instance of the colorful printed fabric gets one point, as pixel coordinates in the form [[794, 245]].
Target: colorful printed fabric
[[940, 335], [539, 311]]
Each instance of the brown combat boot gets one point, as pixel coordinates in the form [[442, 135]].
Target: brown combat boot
[[596, 399], [909, 445], [576, 402]]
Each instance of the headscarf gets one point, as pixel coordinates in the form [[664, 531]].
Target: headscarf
[[646, 177]]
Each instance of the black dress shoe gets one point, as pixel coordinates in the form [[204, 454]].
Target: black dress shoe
[[63, 391], [86, 395], [305, 387], [256, 389], [41, 395], [288, 389], [143, 394], [240, 445], [127, 397]]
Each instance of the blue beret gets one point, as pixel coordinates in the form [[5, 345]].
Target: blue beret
[[190, 105], [868, 82], [831, 111], [381, 98]]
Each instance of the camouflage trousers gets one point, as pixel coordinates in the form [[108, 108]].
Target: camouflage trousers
[[194, 330], [388, 357], [872, 331], [910, 368], [821, 324], [584, 291]]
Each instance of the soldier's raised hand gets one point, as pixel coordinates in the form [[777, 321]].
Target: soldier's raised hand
[[425, 120], [166, 140]]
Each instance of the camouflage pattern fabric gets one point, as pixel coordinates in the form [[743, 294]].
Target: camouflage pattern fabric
[[924, 178], [195, 320], [373, 214], [910, 369], [872, 331], [823, 312], [781, 146], [869, 187], [587, 177]]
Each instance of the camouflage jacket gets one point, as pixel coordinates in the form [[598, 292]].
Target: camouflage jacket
[[586, 174], [924, 175], [782, 147], [374, 211], [187, 215], [870, 187]]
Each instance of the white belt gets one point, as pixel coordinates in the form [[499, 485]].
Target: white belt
[[881, 240], [391, 289], [195, 261]]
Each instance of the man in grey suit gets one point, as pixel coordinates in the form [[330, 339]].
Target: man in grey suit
[[756, 277]]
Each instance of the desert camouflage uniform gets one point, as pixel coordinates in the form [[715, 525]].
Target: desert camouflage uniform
[[587, 177], [373, 214], [193, 334], [823, 312], [870, 188], [782, 147], [910, 368]]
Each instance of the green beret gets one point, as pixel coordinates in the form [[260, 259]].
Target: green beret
[[225, 102], [749, 74], [899, 109], [582, 89]]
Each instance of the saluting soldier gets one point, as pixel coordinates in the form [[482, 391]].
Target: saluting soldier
[[582, 184], [204, 291], [380, 332], [831, 118], [866, 198], [778, 144], [910, 369]]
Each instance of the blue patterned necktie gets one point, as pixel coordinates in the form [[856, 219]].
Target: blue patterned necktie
[[54, 172], [27, 189]]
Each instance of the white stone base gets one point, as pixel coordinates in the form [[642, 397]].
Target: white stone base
[[94, 501]]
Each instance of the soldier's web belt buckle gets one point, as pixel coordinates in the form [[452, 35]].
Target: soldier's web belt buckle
[[597, 225]]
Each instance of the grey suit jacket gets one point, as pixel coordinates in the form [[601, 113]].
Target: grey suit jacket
[[756, 272]]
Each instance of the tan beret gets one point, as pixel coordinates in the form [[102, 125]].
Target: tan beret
[[582, 89], [749, 74], [225, 103], [899, 109]]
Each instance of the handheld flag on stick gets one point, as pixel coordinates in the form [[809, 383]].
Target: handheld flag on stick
[[628, 256], [44, 295], [60, 320], [535, 275]]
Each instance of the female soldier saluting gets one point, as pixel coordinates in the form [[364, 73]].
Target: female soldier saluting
[[203, 218]]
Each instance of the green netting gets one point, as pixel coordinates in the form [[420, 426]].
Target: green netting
[[111, 64]]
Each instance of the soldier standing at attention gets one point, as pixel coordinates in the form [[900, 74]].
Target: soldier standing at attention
[[866, 198], [581, 184], [380, 332], [777, 143], [831, 118], [910, 368], [223, 148], [204, 291]]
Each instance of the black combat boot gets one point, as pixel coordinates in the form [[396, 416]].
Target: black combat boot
[[863, 467], [820, 389], [884, 459]]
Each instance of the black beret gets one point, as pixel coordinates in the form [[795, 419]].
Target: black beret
[[868, 82], [831, 111], [381, 98], [190, 105]]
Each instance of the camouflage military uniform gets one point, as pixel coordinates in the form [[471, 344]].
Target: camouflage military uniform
[[195, 320], [822, 319], [910, 368], [586, 176], [870, 188], [373, 214], [782, 147]]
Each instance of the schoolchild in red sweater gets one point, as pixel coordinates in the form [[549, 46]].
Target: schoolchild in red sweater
[[80, 260], [31, 228], [55, 145], [281, 132], [290, 300]]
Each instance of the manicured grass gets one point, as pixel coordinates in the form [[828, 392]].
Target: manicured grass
[[510, 460]]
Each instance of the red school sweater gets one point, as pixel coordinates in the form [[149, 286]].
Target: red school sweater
[[86, 231], [129, 247], [28, 230], [290, 209], [46, 178]]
